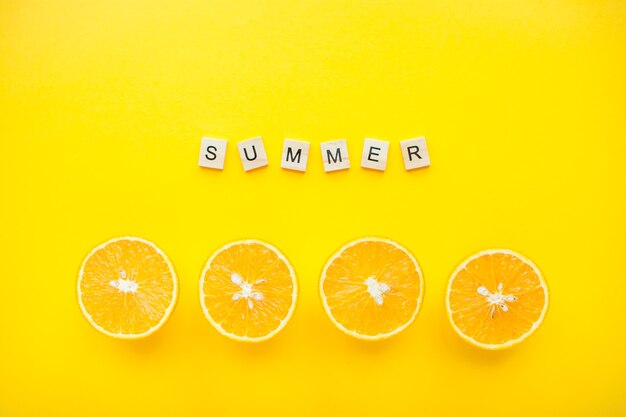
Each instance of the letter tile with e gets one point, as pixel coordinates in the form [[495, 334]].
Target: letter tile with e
[[375, 154]]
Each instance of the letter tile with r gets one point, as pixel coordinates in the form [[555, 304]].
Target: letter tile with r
[[415, 153]]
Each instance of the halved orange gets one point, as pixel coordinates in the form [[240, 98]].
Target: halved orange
[[372, 288], [496, 299], [248, 290], [127, 287]]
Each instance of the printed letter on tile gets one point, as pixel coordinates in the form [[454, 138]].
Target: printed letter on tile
[[212, 153], [335, 155], [252, 153], [415, 153], [295, 155], [375, 154]]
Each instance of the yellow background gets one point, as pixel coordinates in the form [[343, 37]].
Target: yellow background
[[102, 107]]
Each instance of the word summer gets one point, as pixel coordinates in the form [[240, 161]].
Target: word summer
[[296, 154]]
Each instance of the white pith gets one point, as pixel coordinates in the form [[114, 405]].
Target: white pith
[[496, 299], [247, 290], [376, 289], [123, 284]]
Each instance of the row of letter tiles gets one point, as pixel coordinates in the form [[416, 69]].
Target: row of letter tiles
[[296, 154]]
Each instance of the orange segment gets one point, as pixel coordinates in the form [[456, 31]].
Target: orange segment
[[496, 299], [372, 288], [127, 288], [248, 290]]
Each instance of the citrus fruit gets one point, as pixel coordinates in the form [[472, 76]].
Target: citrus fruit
[[248, 290], [372, 288], [496, 299], [127, 287]]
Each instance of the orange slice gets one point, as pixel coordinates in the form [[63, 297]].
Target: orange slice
[[496, 299], [372, 288], [248, 290], [127, 288]]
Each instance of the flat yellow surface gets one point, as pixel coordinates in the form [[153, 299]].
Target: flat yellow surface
[[102, 106]]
